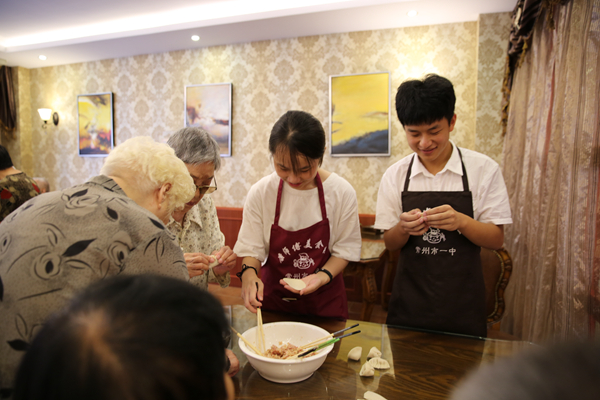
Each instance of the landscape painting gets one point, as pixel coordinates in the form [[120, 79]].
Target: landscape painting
[[209, 107], [95, 122], [360, 114]]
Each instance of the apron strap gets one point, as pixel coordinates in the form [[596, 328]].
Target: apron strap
[[321, 196], [277, 206], [465, 180], [321, 199], [407, 179], [464, 177]]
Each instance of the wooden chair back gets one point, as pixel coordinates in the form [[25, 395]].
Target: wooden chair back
[[497, 268]]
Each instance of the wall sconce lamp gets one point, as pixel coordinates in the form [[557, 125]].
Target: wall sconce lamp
[[45, 114]]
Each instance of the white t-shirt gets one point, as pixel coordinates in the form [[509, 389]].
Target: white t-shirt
[[300, 209], [490, 198]]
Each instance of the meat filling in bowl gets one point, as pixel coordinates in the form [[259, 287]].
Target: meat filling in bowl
[[282, 351]]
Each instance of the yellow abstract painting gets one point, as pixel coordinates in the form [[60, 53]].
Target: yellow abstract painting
[[360, 108], [95, 120]]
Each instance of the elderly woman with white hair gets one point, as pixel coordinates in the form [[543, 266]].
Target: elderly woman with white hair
[[197, 225], [56, 244]]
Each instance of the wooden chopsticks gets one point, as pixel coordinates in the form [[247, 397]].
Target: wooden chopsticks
[[260, 333], [259, 336], [247, 342], [260, 347]]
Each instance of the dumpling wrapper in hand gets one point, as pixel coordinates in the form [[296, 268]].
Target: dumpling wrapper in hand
[[367, 370], [374, 352], [297, 284], [355, 353], [379, 363], [373, 396], [214, 262]]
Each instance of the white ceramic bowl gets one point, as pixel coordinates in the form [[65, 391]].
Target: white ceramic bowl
[[278, 333]]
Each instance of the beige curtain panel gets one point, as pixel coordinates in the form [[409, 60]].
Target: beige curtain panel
[[551, 165]]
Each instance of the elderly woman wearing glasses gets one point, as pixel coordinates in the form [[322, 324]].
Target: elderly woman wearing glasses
[[196, 225]]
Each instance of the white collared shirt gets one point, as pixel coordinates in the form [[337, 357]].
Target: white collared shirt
[[490, 198]]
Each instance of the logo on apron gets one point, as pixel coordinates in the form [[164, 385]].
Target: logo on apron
[[303, 261], [434, 236]]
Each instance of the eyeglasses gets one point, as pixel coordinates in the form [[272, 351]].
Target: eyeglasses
[[207, 189]]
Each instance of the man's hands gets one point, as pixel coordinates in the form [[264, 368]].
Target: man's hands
[[416, 222], [413, 223], [445, 217]]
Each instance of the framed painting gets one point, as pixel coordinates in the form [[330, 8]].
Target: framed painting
[[95, 123], [359, 117], [209, 107]]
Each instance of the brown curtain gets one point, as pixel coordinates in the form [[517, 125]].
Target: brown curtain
[[523, 20], [8, 108], [551, 166]]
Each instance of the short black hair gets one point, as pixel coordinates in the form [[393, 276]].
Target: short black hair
[[423, 102], [559, 371], [5, 160], [142, 337], [301, 134]]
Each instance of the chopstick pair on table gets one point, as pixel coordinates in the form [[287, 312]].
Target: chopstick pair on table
[[324, 342]]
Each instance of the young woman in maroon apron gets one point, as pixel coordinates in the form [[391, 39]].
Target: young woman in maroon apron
[[327, 301], [439, 281], [297, 143]]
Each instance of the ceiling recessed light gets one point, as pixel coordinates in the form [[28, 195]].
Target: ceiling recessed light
[[195, 38], [42, 57], [412, 13]]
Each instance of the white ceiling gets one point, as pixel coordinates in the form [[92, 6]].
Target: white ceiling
[[72, 31]]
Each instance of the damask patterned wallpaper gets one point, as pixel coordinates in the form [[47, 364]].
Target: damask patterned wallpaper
[[268, 78], [493, 43]]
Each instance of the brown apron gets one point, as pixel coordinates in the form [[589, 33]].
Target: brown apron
[[439, 280], [296, 254]]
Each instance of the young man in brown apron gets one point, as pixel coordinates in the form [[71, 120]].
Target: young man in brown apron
[[439, 205]]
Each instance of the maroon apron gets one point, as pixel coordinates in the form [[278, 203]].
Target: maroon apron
[[296, 254], [439, 280]]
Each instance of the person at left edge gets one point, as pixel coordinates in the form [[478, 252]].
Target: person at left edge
[[15, 186], [299, 222], [58, 243]]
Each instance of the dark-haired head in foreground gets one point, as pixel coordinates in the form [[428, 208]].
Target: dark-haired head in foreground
[[567, 371], [130, 337]]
